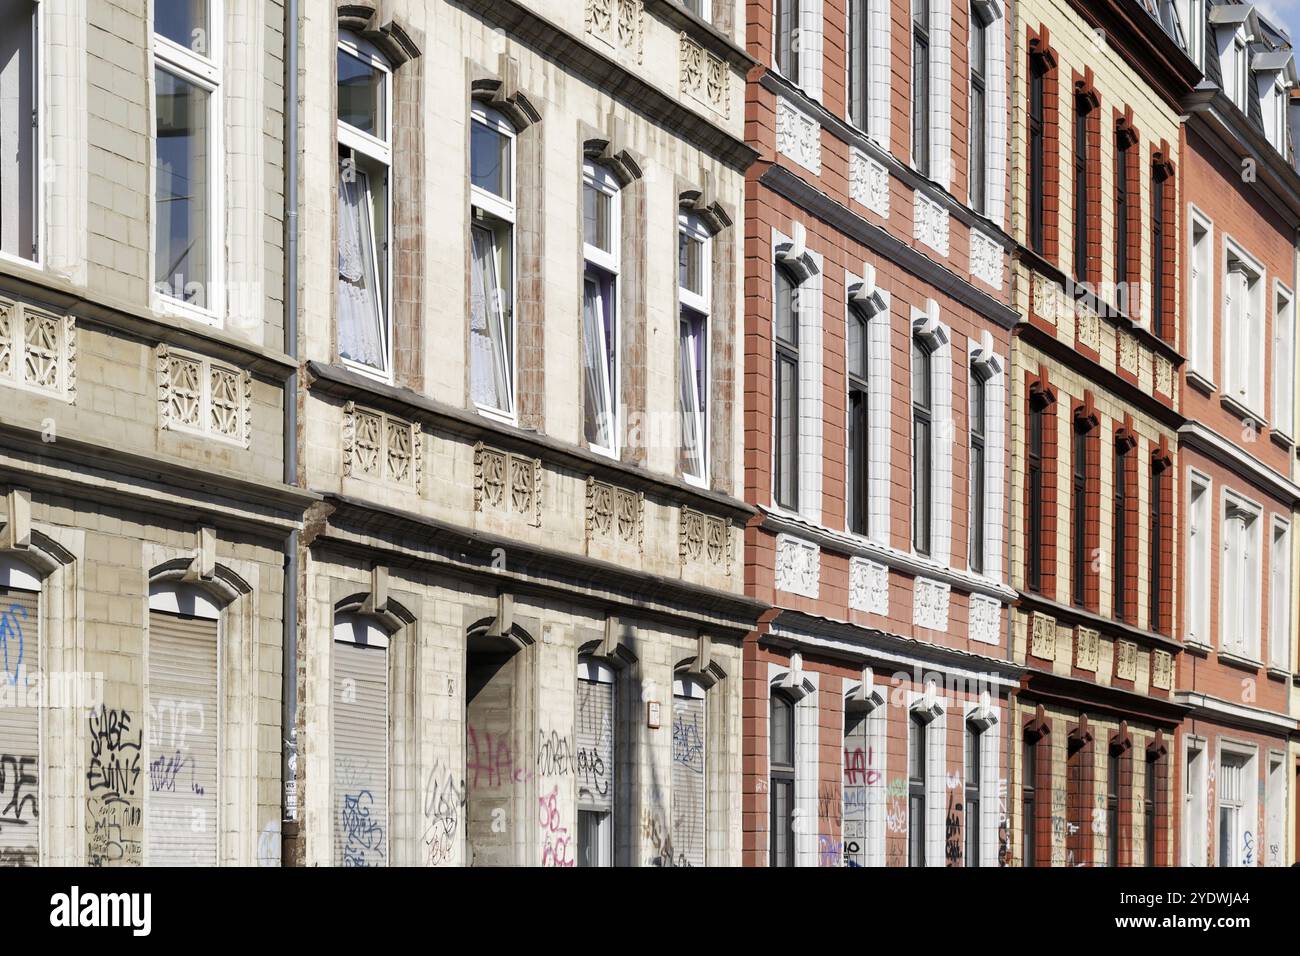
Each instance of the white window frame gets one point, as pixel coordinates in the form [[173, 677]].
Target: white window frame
[[1200, 293], [1194, 797], [205, 73], [607, 261], [1284, 360], [1273, 845], [1279, 591], [379, 151], [1191, 18], [505, 211], [700, 303], [1236, 69], [1244, 325], [1200, 489], [935, 339], [37, 186], [1247, 585], [1244, 803]]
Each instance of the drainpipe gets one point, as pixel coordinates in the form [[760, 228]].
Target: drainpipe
[[289, 805]]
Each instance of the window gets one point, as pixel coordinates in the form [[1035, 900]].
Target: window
[[864, 824], [182, 822], [781, 774], [1034, 489], [1274, 850], [20, 113], [689, 809], [1275, 103], [1191, 18], [916, 767], [1198, 559], [1201, 293], [1029, 803], [979, 146], [600, 338], [786, 398], [921, 86], [1284, 359], [1149, 811], [492, 262], [1233, 784], [1155, 547], [859, 408], [974, 740], [694, 260], [1243, 334], [1112, 808], [1123, 164], [1239, 585], [1081, 480], [360, 741], [1279, 588], [1235, 70], [1120, 536], [20, 714], [365, 208], [1082, 106], [922, 426], [594, 737], [701, 8], [1037, 136], [978, 468], [859, 55], [786, 42], [1159, 318], [187, 158], [1194, 809]]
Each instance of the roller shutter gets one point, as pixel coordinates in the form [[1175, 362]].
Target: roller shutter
[[688, 776], [20, 727], [360, 736]]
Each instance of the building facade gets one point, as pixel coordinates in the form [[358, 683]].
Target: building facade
[[876, 389]]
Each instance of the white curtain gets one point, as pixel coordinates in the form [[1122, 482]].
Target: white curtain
[[598, 419], [361, 334], [489, 350], [691, 381]]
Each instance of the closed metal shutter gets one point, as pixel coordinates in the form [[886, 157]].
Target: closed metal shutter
[[688, 779], [20, 728], [181, 822], [857, 747], [595, 739], [360, 735]]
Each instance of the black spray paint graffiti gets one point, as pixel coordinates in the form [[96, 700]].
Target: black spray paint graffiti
[[592, 778], [444, 803], [363, 836], [112, 808], [952, 849], [688, 745], [166, 769], [554, 754], [18, 784]]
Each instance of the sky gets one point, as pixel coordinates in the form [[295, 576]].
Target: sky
[[1285, 13]]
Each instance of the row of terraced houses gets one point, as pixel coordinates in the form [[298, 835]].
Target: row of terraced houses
[[648, 432]]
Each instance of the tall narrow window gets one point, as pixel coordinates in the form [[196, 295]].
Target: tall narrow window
[[1037, 136], [694, 261], [1034, 490], [600, 338], [916, 766], [786, 398], [1123, 146], [1194, 817], [786, 42], [182, 746], [1236, 70], [979, 146], [978, 468], [187, 157], [1029, 803], [20, 191], [1079, 510], [1120, 536], [1279, 605], [1198, 560], [781, 774], [859, 55], [1112, 808], [974, 740], [1200, 289], [858, 440], [689, 764], [922, 428], [1159, 320], [1232, 786], [364, 326], [921, 86], [594, 737], [1243, 337], [20, 717], [1284, 361], [1155, 541], [359, 709], [492, 262], [1082, 106], [1239, 587], [1149, 812]]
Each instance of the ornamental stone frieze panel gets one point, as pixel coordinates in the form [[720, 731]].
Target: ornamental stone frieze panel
[[704, 540], [985, 619], [1045, 298], [1087, 644], [1162, 670], [619, 25], [381, 447], [930, 223], [615, 515], [869, 182], [798, 136], [1126, 657], [704, 77], [507, 483], [798, 566], [985, 259], [1042, 636], [930, 601], [38, 350], [868, 586], [203, 397]]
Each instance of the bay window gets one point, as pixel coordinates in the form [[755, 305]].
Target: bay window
[[600, 336], [492, 262], [694, 262]]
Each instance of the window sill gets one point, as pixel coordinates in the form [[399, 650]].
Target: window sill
[[1202, 383], [1197, 648], [496, 415], [1281, 439], [166, 305], [1242, 411], [1239, 661], [1278, 673]]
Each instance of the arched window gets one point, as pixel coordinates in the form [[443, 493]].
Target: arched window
[[689, 796], [600, 319], [492, 261], [20, 726], [595, 739], [182, 739], [359, 736], [365, 207]]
